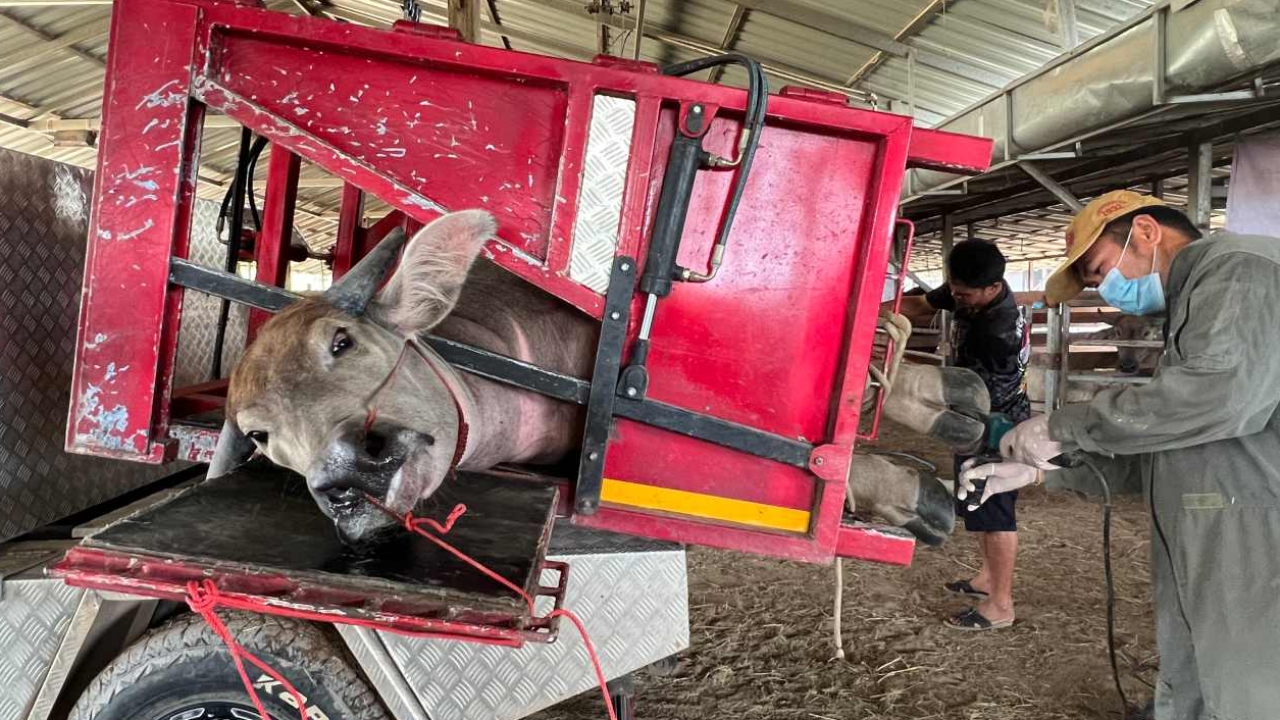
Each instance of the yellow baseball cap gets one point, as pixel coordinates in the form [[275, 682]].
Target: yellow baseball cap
[[1064, 284]]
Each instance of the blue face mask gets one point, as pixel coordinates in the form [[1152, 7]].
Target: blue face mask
[[1133, 296]]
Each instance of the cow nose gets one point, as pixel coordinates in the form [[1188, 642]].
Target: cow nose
[[1128, 365], [362, 460]]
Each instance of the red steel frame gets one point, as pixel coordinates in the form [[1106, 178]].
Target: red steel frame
[[426, 122]]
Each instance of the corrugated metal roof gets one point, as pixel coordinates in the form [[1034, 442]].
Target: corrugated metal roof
[[966, 49]]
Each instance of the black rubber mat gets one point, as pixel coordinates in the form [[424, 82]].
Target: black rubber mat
[[260, 521]]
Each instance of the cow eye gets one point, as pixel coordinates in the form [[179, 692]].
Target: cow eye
[[341, 342], [258, 436]]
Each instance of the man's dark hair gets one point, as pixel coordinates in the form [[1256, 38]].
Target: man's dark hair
[[976, 263], [1164, 216]]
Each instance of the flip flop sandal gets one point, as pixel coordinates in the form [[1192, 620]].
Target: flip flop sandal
[[972, 620], [962, 587]]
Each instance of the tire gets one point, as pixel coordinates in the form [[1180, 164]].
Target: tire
[[182, 671]]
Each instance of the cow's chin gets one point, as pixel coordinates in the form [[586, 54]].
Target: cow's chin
[[363, 523]]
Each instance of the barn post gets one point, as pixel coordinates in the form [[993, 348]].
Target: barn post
[[948, 239], [1199, 182]]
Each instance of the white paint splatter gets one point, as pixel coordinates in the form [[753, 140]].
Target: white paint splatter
[[392, 152], [419, 201], [98, 339], [147, 184], [160, 98], [135, 233], [290, 99]]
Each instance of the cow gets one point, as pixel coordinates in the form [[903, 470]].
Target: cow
[[302, 393], [1138, 361]]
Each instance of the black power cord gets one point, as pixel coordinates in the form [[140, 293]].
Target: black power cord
[[1075, 459]]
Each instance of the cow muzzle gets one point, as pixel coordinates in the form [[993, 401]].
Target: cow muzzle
[[361, 466]]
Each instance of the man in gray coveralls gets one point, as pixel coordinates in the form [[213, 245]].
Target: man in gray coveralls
[[1208, 432]]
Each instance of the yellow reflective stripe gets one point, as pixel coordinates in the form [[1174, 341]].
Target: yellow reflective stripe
[[711, 507]]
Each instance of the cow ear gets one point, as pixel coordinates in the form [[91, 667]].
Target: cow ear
[[432, 271]]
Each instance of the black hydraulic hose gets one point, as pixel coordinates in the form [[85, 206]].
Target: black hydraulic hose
[[753, 120], [254, 154], [236, 197]]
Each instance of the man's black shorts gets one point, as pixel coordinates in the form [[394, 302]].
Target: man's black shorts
[[997, 514]]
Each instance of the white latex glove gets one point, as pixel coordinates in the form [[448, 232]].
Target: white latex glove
[[1029, 443], [1000, 477]]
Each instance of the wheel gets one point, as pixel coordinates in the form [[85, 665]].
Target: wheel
[[182, 671]]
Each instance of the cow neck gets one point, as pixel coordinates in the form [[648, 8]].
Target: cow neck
[[462, 400]]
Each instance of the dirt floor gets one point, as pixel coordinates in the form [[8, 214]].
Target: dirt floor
[[761, 643]]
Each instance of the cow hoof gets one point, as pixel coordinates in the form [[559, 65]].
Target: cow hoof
[[935, 512]]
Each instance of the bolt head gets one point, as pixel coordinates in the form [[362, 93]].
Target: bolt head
[[615, 315], [625, 267], [632, 392], [593, 456], [697, 110], [817, 461]]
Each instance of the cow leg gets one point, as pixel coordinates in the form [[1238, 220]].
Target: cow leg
[[904, 496], [944, 403]]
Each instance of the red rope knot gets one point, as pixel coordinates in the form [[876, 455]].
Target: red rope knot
[[202, 596]]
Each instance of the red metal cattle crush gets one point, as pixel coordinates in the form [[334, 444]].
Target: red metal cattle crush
[[779, 342]]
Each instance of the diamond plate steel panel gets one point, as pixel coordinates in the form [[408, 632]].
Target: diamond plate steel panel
[[43, 226], [634, 604], [34, 617], [200, 311], [595, 233], [569, 539]]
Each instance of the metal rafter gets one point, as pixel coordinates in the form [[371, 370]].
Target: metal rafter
[[701, 47], [730, 37], [43, 36], [822, 21]]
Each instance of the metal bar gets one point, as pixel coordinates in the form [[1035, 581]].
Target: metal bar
[[1107, 378], [918, 23], [604, 385], [1160, 55], [1051, 185], [271, 251], [714, 430], [635, 54], [510, 371], [1053, 349], [1067, 24], [730, 37], [701, 47], [1200, 182], [348, 246], [1118, 343], [1233, 96], [228, 286], [841, 27], [924, 355], [43, 36], [26, 57]]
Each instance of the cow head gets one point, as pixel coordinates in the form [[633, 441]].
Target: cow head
[[1131, 360], [303, 392]]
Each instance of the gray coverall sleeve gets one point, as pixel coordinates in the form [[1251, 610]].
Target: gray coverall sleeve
[[1226, 385]]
